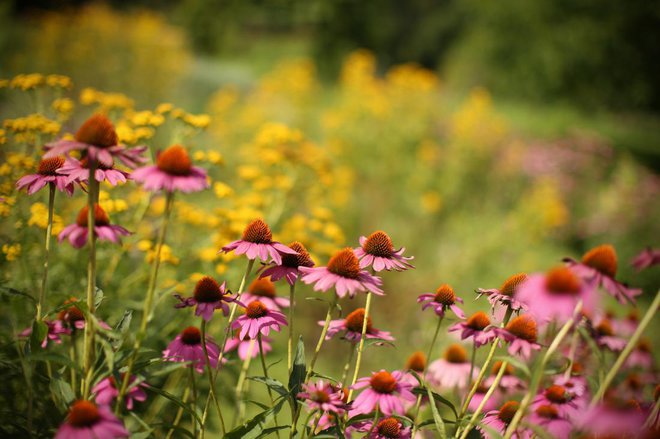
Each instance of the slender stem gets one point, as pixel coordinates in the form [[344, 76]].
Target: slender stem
[[193, 402], [148, 301], [571, 354], [49, 232], [212, 393], [324, 331], [474, 354], [289, 363], [74, 359], [179, 413], [483, 402], [265, 368], [650, 313], [358, 361], [240, 385], [347, 366], [305, 424]]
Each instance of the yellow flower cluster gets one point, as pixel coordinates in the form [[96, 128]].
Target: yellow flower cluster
[[112, 205], [26, 129], [166, 255], [39, 218], [11, 251], [105, 101]]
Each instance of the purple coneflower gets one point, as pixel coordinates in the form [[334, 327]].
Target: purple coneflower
[[641, 356], [208, 296], [575, 385], [548, 417], [289, 268], [520, 333], [323, 397], [416, 362], [78, 170], [603, 334], [452, 370], [258, 319], [599, 266], [614, 418], [561, 399], [106, 392], [506, 294], [509, 381], [97, 139], [263, 290], [388, 391], [257, 242], [444, 298], [387, 428], [245, 346], [187, 346], [72, 318], [55, 329], [173, 171], [476, 326], [478, 397], [500, 419], [86, 420], [47, 172], [378, 252], [352, 324], [344, 274], [104, 231], [648, 257]]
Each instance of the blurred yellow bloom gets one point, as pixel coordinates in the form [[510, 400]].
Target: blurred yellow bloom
[[166, 255], [164, 108], [431, 202], [248, 172], [27, 81], [11, 251], [208, 254], [39, 218], [200, 121], [59, 81], [144, 245], [64, 106], [220, 269], [222, 190]]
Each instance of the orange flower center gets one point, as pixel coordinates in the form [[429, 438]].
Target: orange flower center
[[100, 216], [262, 287], [604, 328], [556, 394], [83, 414], [344, 263], [71, 314], [174, 161], [320, 396], [383, 382], [416, 362], [577, 368], [562, 281], [456, 354], [508, 411], [379, 244], [207, 290], [256, 309], [602, 258], [547, 411], [389, 427], [191, 336], [512, 283], [258, 232], [355, 320], [634, 381], [49, 166], [478, 321], [97, 131], [498, 365], [523, 327], [302, 259], [445, 295], [644, 345]]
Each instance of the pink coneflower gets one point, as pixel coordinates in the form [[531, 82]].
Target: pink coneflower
[[443, 299], [478, 397], [554, 295], [641, 356], [263, 290], [352, 324], [47, 172], [559, 397], [76, 170], [97, 139], [576, 386], [614, 418], [72, 318], [86, 420], [208, 296], [55, 329], [548, 417], [257, 242], [323, 397], [506, 294], [453, 370], [389, 391], [520, 333], [103, 230], [648, 257], [106, 392], [416, 362], [245, 347], [599, 266], [187, 346], [258, 319], [509, 381], [289, 268], [603, 334], [378, 252], [499, 420], [173, 171], [387, 428], [344, 274], [476, 326]]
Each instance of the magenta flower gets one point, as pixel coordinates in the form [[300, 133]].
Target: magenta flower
[[547, 416], [72, 318], [207, 297], [106, 392], [97, 139], [246, 347], [377, 251], [648, 257], [55, 329], [187, 346], [86, 420], [344, 274], [614, 418], [599, 266], [451, 371], [576, 386], [476, 326], [76, 170], [47, 172], [173, 171], [500, 419], [389, 391], [263, 290], [443, 299], [505, 296], [258, 319], [509, 381], [521, 334], [103, 230], [603, 334], [257, 242], [323, 397], [289, 268], [387, 428], [641, 356], [478, 397], [352, 324], [564, 402]]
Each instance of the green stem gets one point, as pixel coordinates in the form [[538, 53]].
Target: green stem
[[240, 385], [571, 354], [474, 354], [49, 232], [179, 413], [324, 331], [74, 359], [347, 366], [358, 361], [304, 424], [148, 301], [289, 363], [483, 402], [212, 393], [265, 368], [193, 402]]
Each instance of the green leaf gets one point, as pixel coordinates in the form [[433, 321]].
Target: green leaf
[[53, 357], [439, 425], [298, 372], [176, 400], [377, 342], [98, 297], [490, 430], [253, 428], [438, 398], [39, 333], [271, 430], [515, 363], [272, 383], [8, 291], [63, 391], [325, 377]]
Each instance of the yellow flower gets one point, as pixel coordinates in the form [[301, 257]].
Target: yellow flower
[[59, 81], [144, 245], [431, 201], [215, 157], [200, 121], [165, 255], [208, 254], [39, 218], [11, 251], [64, 106], [27, 82], [248, 172], [164, 108], [222, 190], [220, 269]]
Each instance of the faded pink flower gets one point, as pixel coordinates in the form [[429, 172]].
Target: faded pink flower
[[106, 391], [520, 333], [78, 171], [388, 391], [104, 231], [289, 269], [207, 297], [47, 173], [452, 370], [86, 420], [187, 346], [173, 171], [477, 326]]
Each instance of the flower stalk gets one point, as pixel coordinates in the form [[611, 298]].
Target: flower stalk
[[49, 232], [482, 404], [212, 393], [358, 361], [289, 363]]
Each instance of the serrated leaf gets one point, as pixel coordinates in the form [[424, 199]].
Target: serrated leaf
[[253, 428], [298, 372], [325, 377], [439, 425]]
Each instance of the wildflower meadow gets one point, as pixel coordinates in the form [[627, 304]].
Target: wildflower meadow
[[372, 258]]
